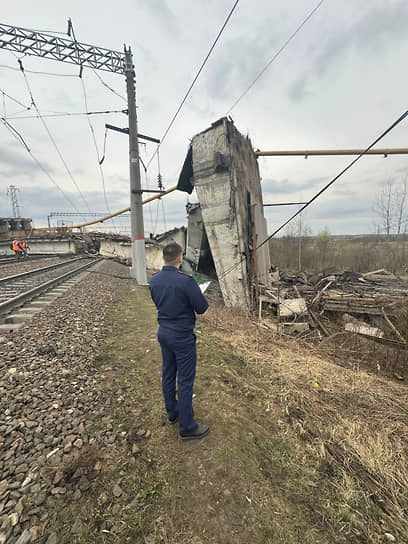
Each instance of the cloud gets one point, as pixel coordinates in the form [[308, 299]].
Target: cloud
[[38, 203], [339, 209], [163, 16], [243, 56], [273, 186], [298, 90], [18, 161], [374, 33]]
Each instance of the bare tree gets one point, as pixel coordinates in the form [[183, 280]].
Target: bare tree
[[400, 199], [391, 207], [383, 206]]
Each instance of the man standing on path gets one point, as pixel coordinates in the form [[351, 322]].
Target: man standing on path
[[178, 298]]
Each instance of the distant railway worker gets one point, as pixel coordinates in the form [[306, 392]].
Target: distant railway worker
[[24, 248], [178, 298], [15, 246]]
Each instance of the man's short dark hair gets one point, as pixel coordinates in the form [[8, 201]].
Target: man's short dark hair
[[172, 252]]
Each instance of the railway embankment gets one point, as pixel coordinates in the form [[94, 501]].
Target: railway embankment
[[51, 395]]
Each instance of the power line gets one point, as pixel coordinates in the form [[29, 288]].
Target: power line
[[54, 143], [91, 128], [70, 31], [391, 127], [15, 100], [37, 72], [329, 184], [149, 206], [54, 113], [194, 80], [276, 55], [111, 89], [16, 134], [65, 113], [45, 31]]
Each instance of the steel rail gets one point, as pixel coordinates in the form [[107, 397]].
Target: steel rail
[[38, 270], [10, 304], [7, 259]]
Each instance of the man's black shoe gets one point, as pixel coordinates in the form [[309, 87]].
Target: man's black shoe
[[199, 432], [172, 421]]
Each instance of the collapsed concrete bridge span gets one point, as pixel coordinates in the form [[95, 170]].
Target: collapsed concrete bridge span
[[222, 167]]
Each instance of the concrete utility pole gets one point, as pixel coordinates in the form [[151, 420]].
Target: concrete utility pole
[[138, 270], [42, 44]]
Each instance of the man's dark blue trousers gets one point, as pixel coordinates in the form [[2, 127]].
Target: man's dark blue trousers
[[178, 298], [179, 359]]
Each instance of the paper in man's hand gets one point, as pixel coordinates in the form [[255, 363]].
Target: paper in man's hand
[[204, 286]]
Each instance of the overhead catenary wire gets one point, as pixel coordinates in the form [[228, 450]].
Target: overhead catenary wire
[[54, 143], [37, 72], [91, 128], [17, 135], [276, 55], [111, 89], [149, 206], [157, 217], [194, 81], [321, 191], [164, 215], [45, 31], [71, 33], [14, 100], [65, 114]]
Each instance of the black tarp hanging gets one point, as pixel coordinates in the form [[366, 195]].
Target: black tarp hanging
[[186, 181]]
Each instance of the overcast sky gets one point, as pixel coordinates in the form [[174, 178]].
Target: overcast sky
[[339, 83]]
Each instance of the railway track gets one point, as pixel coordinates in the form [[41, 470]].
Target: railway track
[[10, 259], [18, 290]]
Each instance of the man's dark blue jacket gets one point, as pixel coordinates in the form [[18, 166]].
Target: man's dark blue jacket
[[178, 298]]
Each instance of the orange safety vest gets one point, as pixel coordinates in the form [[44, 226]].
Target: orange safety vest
[[16, 247]]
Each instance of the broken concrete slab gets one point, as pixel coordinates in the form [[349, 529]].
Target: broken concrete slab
[[292, 306], [222, 166], [365, 330]]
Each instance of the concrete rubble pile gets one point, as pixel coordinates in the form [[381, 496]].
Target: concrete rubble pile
[[366, 302]]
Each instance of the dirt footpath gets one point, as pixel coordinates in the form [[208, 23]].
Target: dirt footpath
[[300, 450]]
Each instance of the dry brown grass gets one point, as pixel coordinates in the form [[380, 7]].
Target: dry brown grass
[[300, 450], [359, 419]]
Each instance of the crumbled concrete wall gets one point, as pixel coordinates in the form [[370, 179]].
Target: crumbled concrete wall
[[177, 235], [52, 246], [43, 246], [226, 178], [198, 251], [115, 248], [111, 247], [154, 248]]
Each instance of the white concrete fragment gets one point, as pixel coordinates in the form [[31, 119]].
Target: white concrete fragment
[[292, 306], [365, 330]]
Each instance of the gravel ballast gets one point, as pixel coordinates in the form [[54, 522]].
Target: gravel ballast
[[51, 400], [25, 266]]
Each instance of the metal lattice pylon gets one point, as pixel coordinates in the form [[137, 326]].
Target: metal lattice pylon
[[47, 46], [12, 192]]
